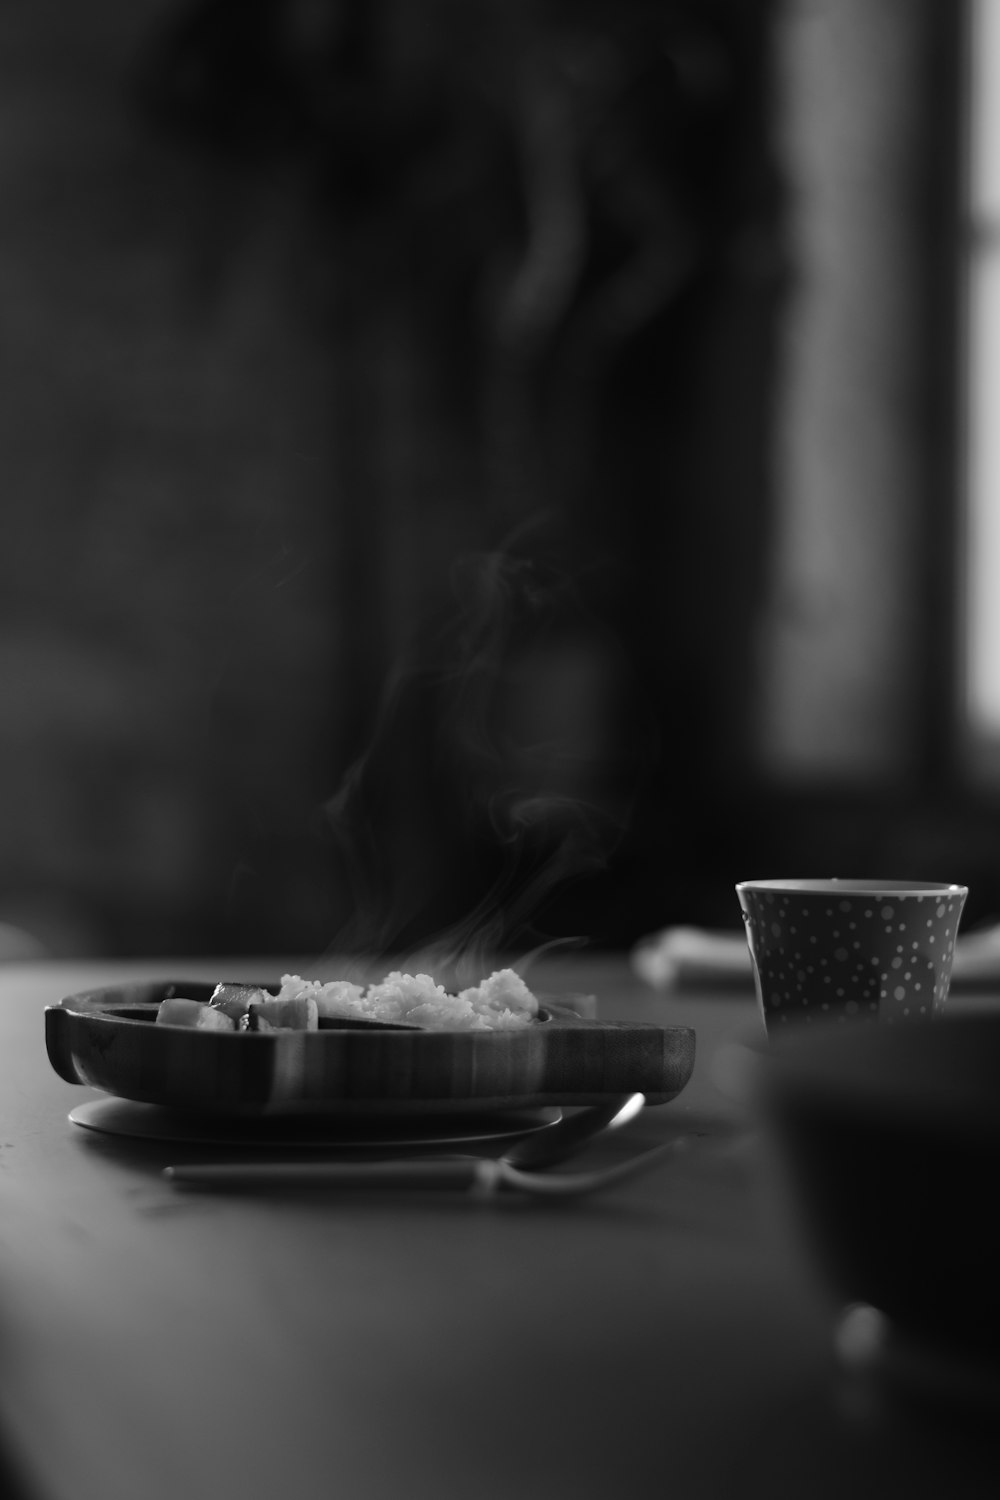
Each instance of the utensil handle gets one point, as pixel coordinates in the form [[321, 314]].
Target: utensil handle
[[478, 1175]]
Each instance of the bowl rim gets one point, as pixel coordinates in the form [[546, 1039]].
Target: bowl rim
[[123, 1013]]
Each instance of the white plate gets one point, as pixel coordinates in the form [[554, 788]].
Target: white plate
[[151, 1122]]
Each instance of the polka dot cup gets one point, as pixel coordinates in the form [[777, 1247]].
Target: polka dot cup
[[850, 950]]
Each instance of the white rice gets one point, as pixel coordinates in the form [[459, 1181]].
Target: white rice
[[502, 1002]]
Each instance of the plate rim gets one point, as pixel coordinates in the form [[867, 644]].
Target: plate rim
[[255, 1134]]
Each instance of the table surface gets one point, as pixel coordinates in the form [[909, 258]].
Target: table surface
[[667, 1336]]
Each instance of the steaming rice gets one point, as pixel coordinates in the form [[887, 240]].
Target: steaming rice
[[502, 1002]]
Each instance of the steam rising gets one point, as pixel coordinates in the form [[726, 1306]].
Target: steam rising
[[494, 742]]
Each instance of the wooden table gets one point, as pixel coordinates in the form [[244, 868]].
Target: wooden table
[[664, 1338]]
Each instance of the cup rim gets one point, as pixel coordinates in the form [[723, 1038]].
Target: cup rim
[[850, 887]]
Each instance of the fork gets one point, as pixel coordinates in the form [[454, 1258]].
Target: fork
[[481, 1178]]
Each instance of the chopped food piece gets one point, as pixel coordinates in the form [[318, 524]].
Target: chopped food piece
[[298, 1014], [180, 1012], [235, 1000]]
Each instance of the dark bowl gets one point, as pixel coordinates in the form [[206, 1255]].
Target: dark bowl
[[109, 1039], [888, 1139]]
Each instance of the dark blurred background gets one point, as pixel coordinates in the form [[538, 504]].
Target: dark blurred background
[[487, 465]]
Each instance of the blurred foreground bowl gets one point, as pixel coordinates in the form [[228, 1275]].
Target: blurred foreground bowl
[[888, 1144]]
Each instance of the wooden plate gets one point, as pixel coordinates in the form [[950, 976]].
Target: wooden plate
[[108, 1039], [324, 1133]]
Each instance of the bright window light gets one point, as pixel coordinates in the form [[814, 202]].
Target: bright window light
[[982, 551]]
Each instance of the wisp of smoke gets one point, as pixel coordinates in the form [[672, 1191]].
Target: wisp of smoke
[[471, 745]]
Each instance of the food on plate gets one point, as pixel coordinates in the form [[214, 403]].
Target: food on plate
[[297, 1014], [502, 1002], [235, 1000], [176, 1011]]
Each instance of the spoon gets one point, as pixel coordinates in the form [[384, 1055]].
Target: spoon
[[477, 1175]]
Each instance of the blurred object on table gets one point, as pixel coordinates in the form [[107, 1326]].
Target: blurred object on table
[[977, 958], [685, 957], [38, 923], [17, 945], [681, 956], [883, 1142]]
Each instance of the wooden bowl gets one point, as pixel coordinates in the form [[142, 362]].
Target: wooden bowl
[[108, 1039]]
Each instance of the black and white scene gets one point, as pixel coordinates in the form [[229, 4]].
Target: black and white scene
[[499, 749]]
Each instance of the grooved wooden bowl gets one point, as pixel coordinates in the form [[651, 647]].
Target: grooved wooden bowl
[[108, 1039]]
